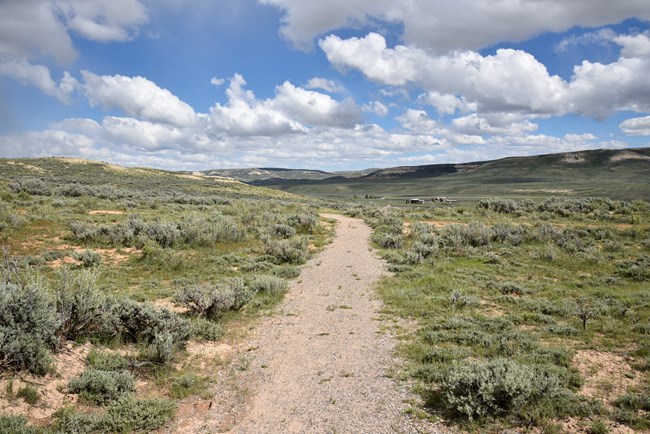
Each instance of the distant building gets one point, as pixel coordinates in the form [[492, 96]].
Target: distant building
[[415, 200]]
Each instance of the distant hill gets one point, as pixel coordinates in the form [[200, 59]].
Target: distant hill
[[279, 174], [623, 174]]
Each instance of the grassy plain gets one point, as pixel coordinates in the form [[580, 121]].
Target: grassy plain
[[130, 267], [528, 314]]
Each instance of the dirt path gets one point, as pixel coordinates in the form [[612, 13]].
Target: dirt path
[[321, 366]]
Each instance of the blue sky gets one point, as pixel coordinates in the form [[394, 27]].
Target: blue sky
[[336, 85]]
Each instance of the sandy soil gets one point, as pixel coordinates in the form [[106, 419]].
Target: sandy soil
[[319, 366]]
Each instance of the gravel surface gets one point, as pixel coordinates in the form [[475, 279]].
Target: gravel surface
[[321, 365]]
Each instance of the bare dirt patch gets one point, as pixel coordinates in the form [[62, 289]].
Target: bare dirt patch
[[321, 365], [52, 388], [105, 212], [607, 376], [628, 155]]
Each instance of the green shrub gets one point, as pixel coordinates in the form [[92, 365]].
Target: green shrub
[[28, 326], [101, 387], [598, 427], [10, 424], [269, 284], [29, 394], [84, 311], [206, 329], [292, 251], [161, 349], [389, 241], [106, 361], [283, 231], [129, 414], [141, 322], [475, 390], [88, 258], [211, 301]]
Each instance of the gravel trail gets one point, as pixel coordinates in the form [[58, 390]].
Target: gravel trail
[[321, 366]]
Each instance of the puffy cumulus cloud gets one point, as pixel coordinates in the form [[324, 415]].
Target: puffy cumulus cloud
[[39, 76], [324, 84], [36, 28], [508, 124], [314, 108], [217, 81], [245, 115], [442, 25], [418, 121], [636, 126], [40, 29], [445, 104], [376, 107], [292, 110], [634, 45], [137, 96], [598, 89], [508, 81], [101, 20]]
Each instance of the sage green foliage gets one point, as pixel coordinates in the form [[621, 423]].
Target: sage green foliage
[[101, 387], [29, 394], [88, 258], [212, 301], [106, 361], [505, 291], [16, 425], [126, 415], [28, 327]]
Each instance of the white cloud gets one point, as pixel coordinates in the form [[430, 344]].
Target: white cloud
[[217, 81], [442, 25], [244, 115], [636, 126], [137, 96], [418, 121], [324, 84], [103, 21], [39, 76], [598, 37], [375, 107], [33, 28], [487, 124], [447, 103], [508, 81], [292, 110], [634, 45]]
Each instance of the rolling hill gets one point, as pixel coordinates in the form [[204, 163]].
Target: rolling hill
[[623, 174]]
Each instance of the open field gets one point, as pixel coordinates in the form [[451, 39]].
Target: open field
[[526, 314], [114, 281], [602, 173], [129, 296]]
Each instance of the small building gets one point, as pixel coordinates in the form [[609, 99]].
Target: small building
[[415, 200]]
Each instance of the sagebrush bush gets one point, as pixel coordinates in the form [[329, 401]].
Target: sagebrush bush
[[389, 241], [84, 311], [28, 327], [291, 251], [474, 390], [102, 387], [283, 231], [88, 258], [269, 284], [212, 300], [11, 424], [106, 361], [205, 329]]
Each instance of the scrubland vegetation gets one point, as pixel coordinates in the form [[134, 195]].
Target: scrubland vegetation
[[519, 306], [136, 264], [529, 314]]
